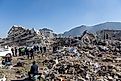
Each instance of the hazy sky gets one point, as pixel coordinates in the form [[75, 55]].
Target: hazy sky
[[59, 15]]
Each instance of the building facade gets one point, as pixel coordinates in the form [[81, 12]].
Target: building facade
[[109, 34]]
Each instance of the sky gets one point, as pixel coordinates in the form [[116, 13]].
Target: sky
[[58, 15]]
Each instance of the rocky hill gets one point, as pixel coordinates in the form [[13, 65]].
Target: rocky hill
[[79, 30]]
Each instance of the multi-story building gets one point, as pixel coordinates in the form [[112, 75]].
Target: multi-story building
[[18, 35], [109, 34]]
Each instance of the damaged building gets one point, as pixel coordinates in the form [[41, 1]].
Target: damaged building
[[109, 34], [47, 36], [20, 36]]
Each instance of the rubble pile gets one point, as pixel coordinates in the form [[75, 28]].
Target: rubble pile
[[84, 58], [85, 66], [20, 36], [90, 62]]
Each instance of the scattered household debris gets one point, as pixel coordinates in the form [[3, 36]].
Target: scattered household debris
[[84, 58]]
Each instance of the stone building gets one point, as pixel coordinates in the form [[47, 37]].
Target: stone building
[[109, 34]]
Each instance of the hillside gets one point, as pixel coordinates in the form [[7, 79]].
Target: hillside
[[79, 30]]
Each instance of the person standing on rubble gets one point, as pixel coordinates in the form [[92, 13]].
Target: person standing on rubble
[[27, 52], [16, 51], [35, 48], [32, 53], [19, 51], [23, 51], [12, 50]]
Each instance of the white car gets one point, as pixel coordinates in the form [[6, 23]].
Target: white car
[[4, 51]]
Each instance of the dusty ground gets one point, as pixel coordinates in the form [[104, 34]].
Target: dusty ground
[[11, 73]]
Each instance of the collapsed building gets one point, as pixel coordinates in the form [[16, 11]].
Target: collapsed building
[[47, 36], [20, 36], [85, 39], [93, 61]]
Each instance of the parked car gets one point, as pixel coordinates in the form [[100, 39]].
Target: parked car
[[5, 51]]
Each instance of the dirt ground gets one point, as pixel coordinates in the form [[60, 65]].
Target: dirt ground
[[11, 73]]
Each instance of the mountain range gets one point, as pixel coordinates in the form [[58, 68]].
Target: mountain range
[[77, 31]]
